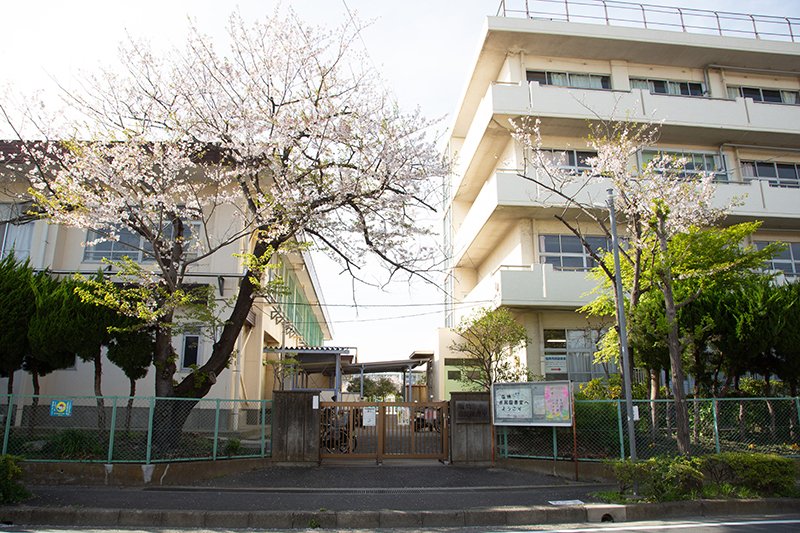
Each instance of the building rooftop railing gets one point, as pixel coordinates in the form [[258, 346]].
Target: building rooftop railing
[[629, 14]]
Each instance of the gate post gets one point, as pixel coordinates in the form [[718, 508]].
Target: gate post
[[471, 427], [295, 427]]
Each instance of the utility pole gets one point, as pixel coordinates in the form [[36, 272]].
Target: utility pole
[[623, 331]]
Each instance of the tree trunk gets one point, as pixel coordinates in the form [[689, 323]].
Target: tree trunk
[[34, 402], [129, 411], [796, 417], [98, 392], [674, 344], [654, 385]]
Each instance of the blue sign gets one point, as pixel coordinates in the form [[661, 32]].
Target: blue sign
[[61, 408]]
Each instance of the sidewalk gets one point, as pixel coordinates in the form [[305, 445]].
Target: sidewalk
[[353, 496]]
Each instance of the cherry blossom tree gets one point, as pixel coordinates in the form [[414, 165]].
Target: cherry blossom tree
[[280, 139], [657, 202]]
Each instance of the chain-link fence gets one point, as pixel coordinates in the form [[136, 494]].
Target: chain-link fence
[[766, 425], [114, 429]]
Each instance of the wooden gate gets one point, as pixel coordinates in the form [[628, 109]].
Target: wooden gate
[[360, 430]]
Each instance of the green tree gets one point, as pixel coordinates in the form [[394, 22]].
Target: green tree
[[17, 305], [131, 349], [490, 339], [374, 389]]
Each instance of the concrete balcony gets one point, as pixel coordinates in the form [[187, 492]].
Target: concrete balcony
[[565, 112], [506, 197], [537, 285]]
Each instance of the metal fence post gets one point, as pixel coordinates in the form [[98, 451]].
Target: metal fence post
[[111, 430], [555, 445], [619, 428], [263, 428], [9, 414], [150, 430], [797, 405], [716, 424], [216, 432]]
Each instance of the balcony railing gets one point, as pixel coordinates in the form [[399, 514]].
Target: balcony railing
[[689, 20]]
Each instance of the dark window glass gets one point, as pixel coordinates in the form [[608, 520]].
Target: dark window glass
[[551, 243], [765, 170], [537, 75], [659, 86], [555, 338], [751, 92], [571, 244], [695, 89], [787, 174], [454, 375], [771, 96], [191, 349], [583, 156], [605, 82], [595, 243], [571, 263], [553, 260]]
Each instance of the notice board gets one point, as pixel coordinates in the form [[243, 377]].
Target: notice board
[[536, 403]]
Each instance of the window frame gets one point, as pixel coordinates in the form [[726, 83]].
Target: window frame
[[720, 174], [578, 357], [776, 180], [652, 86], [22, 233], [757, 94], [546, 78], [793, 259], [139, 253], [191, 333], [587, 261]]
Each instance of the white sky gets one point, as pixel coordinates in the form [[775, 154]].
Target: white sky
[[424, 48]]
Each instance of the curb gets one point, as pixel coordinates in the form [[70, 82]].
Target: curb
[[490, 516]]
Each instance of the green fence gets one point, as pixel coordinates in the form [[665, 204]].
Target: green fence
[[118, 429], [766, 425]]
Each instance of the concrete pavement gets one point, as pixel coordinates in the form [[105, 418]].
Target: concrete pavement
[[363, 496]]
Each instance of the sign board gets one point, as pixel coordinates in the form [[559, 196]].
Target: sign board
[[370, 416], [555, 364], [61, 408], [537, 403], [471, 412]]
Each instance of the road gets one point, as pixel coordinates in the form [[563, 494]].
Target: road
[[774, 524]]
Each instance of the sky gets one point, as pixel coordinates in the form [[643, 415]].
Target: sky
[[423, 48]]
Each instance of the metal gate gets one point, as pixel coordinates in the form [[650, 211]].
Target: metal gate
[[360, 430]]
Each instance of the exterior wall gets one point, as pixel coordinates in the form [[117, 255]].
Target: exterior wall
[[61, 250], [498, 218]]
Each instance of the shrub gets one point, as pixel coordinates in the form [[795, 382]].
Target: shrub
[[232, 447], [661, 478], [11, 490], [73, 444], [763, 474]]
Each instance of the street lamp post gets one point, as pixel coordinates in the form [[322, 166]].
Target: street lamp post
[[623, 331]]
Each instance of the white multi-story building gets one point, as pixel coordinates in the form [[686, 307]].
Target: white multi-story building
[[295, 317], [726, 89]]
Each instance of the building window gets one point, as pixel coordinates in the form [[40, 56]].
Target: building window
[[14, 237], [571, 160], [454, 375], [134, 246], [760, 94], [570, 79], [778, 174], [191, 348], [566, 252], [696, 162], [579, 346], [788, 261], [682, 88]]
